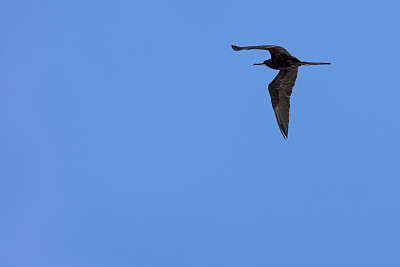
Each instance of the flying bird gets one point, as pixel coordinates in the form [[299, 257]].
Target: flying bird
[[281, 87]]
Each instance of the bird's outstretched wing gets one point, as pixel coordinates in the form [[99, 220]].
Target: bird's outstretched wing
[[280, 90], [276, 51]]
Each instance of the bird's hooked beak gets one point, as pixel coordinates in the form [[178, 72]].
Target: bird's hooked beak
[[258, 64]]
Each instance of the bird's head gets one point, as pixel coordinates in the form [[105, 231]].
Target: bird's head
[[265, 62]]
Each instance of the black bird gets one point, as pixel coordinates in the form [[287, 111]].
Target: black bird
[[281, 87]]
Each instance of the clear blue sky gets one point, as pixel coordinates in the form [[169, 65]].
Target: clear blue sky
[[133, 135]]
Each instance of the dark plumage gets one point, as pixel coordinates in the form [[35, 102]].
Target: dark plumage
[[281, 87]]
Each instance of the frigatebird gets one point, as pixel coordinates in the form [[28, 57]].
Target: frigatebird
[[281, 87]]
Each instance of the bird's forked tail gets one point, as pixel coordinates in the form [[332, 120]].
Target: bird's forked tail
[[313, 63]]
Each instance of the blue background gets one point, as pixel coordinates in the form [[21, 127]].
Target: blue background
[[133, 135]]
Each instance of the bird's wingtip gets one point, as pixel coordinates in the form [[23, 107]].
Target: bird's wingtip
[[285, 134], [234, 47]]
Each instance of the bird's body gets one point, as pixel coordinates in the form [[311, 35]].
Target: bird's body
[[281, 87]]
